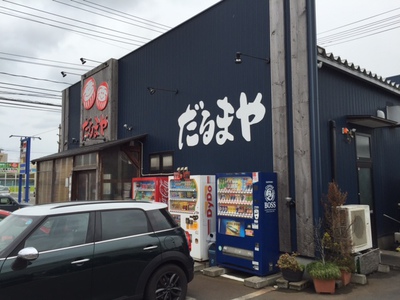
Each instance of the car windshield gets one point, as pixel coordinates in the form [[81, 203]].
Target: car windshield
[[11, 227]]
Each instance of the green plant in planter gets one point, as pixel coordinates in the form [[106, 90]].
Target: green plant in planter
[[346, 263], [323, 271], [289, 261], [337, 238]]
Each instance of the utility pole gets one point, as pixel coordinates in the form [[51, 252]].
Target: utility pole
[[25, 163]]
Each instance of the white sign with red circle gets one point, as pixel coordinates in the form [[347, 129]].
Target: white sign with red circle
[[102, 96], [89, 93]]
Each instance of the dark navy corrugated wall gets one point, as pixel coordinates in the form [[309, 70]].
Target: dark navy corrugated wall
[[75, 105], [341, 94], [198, 59]]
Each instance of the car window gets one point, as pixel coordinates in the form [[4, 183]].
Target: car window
[[160, 219], [5, 201], [11, 227], [59, 232], [121, 223]]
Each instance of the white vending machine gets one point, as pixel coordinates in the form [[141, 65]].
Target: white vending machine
[[192, 204]]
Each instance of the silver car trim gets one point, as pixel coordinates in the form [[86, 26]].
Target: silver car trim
[[81, 261], [150, 247]]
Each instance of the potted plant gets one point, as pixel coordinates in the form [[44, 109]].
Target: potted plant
[[337, 241], [324, 275], [347, 267], [323, 271], [291, 269]]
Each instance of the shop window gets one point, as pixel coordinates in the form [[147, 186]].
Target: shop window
[[89, 159], [161, 162], [117, 173]]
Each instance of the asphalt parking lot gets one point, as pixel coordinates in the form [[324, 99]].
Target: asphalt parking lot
[[379, 285]]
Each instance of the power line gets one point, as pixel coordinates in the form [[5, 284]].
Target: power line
[[357, 38], [35, 78], [64, 28], [355, 22], [30, 102], [5, 89], [42, 64], [31, 95], [75, 20], [124, 15], [108, 17], [27, 86], [28, 107], [48, 60], [362, 31]]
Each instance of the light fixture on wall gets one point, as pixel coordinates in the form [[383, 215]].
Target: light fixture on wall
[[129, 128], [238, 59], [349, 133], [84, 60], [319, 64], [69, 73], [153, 90]]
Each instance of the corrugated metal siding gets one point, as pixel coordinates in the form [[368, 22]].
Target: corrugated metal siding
[[198, 60], [74, 114], [386, 149], [339, 95]]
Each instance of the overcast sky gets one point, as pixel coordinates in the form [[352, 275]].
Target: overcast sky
[[38, 42]]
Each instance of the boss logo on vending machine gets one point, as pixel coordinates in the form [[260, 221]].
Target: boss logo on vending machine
[[269, 196], [256, 217]]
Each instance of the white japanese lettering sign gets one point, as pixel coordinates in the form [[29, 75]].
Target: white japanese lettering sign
[[249, 113]]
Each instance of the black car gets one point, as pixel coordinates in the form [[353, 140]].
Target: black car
[[7, 202], [94, 250]]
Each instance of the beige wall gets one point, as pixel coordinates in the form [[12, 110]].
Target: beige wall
[[300, 128]]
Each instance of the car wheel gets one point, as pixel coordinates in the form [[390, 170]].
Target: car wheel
[[168, 283]]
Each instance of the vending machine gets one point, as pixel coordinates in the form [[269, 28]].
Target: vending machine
[[150, 188], [247, 222], [192, 205]]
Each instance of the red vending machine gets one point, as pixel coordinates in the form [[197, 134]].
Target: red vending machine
[[150, 188]]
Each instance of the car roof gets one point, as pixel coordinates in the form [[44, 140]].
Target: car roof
[[86, 206]]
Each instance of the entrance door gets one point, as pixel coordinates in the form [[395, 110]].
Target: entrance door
[[84, 183], [365, 180], [365, 191]]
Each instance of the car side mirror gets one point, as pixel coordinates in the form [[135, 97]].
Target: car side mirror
[[24, 258], [28, 253]]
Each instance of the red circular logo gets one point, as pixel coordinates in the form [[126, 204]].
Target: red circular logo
[[102, 96], [89, 93]]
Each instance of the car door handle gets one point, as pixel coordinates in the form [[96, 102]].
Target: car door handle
[[80, 262], [150, 247]]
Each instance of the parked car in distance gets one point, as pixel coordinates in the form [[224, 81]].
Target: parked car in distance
[[9, 203], [4, 190], [4, 213], [94, 250]]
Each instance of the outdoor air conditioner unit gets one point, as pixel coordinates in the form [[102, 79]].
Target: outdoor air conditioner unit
[[358, 223]]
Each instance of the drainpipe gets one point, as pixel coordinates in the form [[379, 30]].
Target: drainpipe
[[332, 125], [289, 112], [314, 109]]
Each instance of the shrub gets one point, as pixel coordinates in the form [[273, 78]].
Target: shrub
[[289, 261]]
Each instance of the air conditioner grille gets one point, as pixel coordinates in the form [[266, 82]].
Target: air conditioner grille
[[358, 227], [355, 220]]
